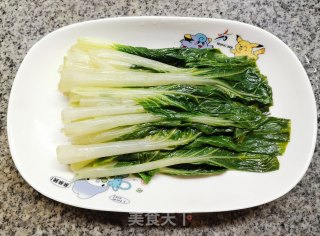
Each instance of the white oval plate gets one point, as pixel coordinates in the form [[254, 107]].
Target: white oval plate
[[34, 120]]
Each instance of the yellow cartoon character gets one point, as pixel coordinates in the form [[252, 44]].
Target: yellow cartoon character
[[245, 48]]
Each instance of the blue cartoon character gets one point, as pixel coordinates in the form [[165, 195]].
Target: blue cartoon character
[[196, 41], [89, 188], [118, 183]]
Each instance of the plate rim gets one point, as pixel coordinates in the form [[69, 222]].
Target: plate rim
[[165, 18]]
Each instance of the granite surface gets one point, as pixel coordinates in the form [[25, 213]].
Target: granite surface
[[23, 211]]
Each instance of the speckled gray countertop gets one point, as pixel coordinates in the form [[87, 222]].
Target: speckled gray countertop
[[23, 211]]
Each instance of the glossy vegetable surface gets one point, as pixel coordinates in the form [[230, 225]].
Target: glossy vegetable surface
[[175, 111]]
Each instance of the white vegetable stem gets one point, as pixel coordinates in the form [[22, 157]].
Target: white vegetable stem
[[92, 102], [103, 136], [108, 122], [105, 56], [74, 77], [73, 114], [105, 51], [116, 93], [68, 154]]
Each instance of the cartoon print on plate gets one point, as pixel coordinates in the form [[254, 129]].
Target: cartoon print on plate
[[91, 187], [139, 190], [198, 40], [223, 36], [60, 182], [245, 48], [87, 188], [118, 183], [221, 40]]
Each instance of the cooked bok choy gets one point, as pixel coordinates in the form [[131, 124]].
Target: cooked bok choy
[[159, 160], [176, 111]]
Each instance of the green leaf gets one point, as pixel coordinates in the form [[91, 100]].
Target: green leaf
[[239, 74], [147, 175], [253, 164], [146, 161], [193, 170]]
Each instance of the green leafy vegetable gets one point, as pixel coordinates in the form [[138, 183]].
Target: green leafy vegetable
[[175, 111], [146, 161], [92, 63], [164, 139], [192, 170]]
